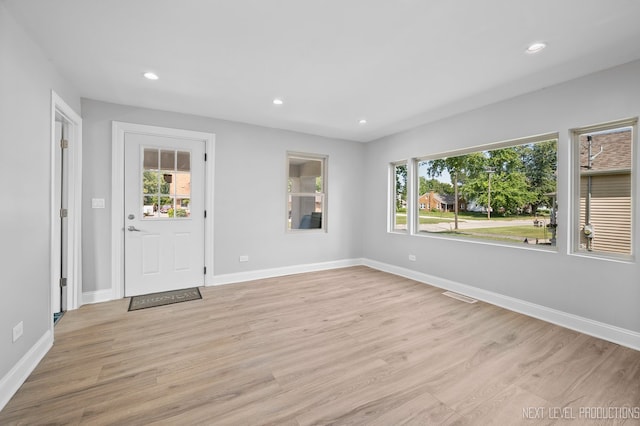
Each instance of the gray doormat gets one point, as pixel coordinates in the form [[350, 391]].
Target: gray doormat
[[164, 298]]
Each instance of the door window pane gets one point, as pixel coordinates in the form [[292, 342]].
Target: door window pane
[[166, 183], [149, 182], [165, 180], [167, 160], [150, 159], [183, 184], [184, 161]]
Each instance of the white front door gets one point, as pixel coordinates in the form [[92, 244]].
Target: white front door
[[164, 191]]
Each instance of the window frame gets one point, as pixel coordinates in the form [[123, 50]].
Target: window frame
[[324, 159], [575, 231]]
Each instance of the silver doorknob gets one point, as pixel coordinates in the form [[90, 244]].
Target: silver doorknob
[[133, 228]]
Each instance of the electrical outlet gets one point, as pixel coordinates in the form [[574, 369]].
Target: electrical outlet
[[17, 331], [412, 257], [244, 258]]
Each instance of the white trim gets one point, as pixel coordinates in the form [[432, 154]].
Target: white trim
[[12, 381], [97, 296], [621, 336], [117, 207], [210, 145], [413, 189], [119, 129], [74, 205], [285, 270]]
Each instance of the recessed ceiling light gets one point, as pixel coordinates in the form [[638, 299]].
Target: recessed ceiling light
[[363, 121], [277, 101], [150, 76], [536, 47]]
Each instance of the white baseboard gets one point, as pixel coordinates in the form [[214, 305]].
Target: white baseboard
[[97, 296], [285, 270], [12, 381], [621, 336]]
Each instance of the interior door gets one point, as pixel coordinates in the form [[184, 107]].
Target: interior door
[[164, 213]]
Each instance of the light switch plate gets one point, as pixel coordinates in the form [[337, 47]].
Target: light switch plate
[[97, 203]]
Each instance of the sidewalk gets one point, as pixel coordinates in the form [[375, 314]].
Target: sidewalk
[[472, 224]]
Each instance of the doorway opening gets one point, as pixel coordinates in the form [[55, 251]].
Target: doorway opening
[[66, 178], [58, 299]]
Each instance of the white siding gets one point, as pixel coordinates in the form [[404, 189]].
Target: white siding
[[610, 212]]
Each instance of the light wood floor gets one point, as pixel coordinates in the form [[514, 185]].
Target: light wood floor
[[346, 346]]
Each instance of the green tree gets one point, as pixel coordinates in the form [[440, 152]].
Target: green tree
[[460, 168], [505, 167], [428, 185], [541, 164], [509, 191], [401, 185], [153, 184], [521, 176]]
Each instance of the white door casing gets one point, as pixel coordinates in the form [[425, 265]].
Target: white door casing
[[163, 242], [157, 260]]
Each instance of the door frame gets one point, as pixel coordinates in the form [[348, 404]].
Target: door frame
[[119, 130], [74, 206]]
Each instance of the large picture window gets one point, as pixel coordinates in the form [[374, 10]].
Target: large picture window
[[306, 191], [506, 193], [603, 158]]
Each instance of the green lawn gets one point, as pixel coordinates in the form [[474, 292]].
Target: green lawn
[[508, 233], [514, 231], [401, 218], [479, 216]]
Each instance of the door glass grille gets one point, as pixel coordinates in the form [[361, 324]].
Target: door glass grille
[[166, 183]]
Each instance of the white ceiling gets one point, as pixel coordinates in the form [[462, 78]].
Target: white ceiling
[[397, 63]]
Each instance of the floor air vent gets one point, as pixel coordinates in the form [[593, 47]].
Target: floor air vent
[[459, 297]]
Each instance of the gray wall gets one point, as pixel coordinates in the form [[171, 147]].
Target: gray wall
[[26, 80], [601, 290], [249, 193]]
